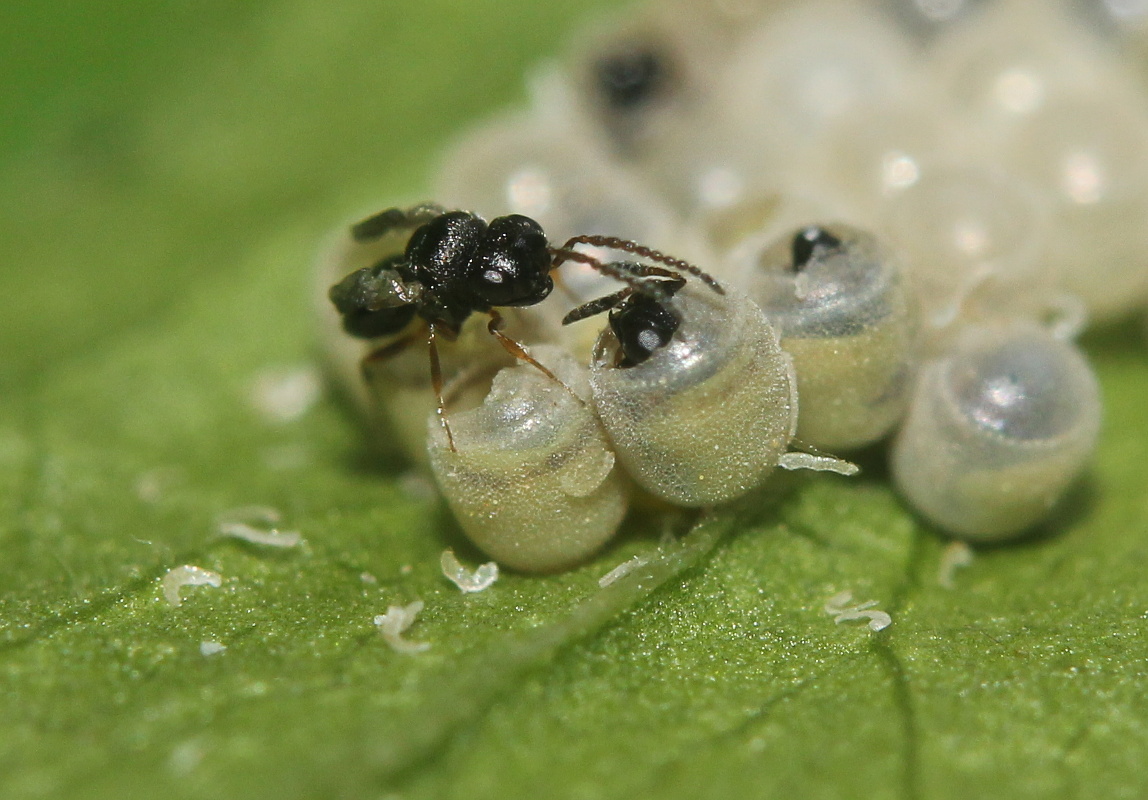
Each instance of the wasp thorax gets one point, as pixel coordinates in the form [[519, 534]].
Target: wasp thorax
[[997, 431], [837, 298], [708, 414], [531, 479]]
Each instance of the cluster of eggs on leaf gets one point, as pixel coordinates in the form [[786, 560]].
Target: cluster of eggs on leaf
[[907, 210]]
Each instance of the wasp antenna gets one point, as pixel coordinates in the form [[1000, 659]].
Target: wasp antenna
[[627, 246], [613, 269], [597, 306]]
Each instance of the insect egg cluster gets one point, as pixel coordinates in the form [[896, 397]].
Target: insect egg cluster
[[887, 218]]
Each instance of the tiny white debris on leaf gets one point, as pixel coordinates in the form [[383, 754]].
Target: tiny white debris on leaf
[[818, 463], [367, 577], [622, 570], [838, 606], [265, 514], [271, 538], [406, 569], [285, 395], [211, 648], [463, 578], [395, 622], [955, 556], [234, 523], [187, 575]]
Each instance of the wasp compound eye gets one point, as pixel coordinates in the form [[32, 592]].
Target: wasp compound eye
[[997, 431], [512, 265], [972, 237]]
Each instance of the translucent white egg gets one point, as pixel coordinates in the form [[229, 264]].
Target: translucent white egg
[[544, 168], [876, 152], [706, 417], [806, 69], [1089, 156], [760, 127], [1046, 98], [711, 169], [998, 430], [531, 479], [971, 236], [1019, 54], [1132, 32], [643, 75], [837, 297]]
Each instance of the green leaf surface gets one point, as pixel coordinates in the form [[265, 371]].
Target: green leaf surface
[[166, 179]]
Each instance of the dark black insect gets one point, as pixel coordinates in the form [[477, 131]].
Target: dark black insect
[[812, 242], [455, 264], [641, 318]]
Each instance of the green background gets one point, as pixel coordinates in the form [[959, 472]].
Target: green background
[[166, 172]]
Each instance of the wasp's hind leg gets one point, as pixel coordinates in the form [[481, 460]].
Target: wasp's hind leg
[[379, 225], [386, 352], [437, 384]]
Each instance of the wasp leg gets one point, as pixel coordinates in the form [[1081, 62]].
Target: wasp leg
[[379, 225], [386, 352], [519, 351], [436, 385]]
